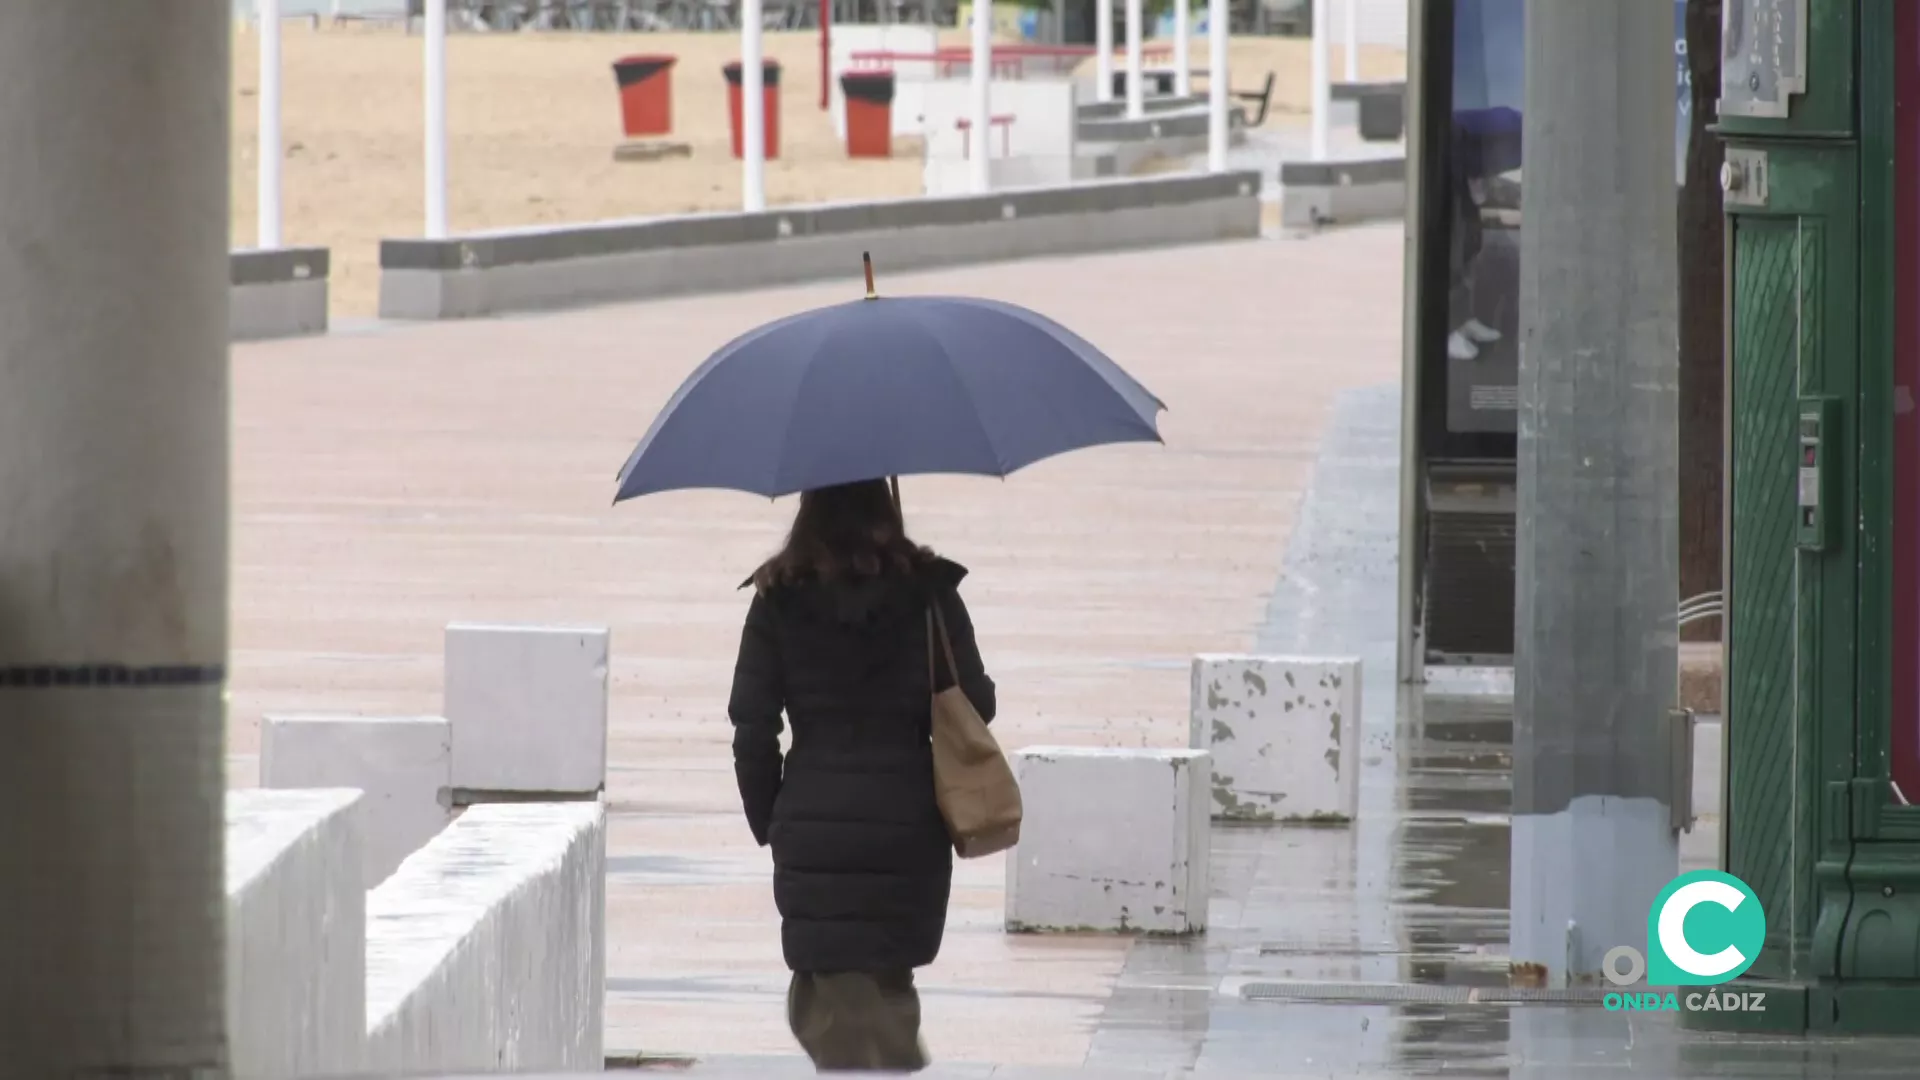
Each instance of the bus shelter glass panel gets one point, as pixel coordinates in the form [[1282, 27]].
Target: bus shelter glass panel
[[1483, 185]]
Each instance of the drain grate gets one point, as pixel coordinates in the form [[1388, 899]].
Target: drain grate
[[1418, 994]]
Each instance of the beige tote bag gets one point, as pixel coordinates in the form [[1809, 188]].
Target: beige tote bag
[[978, 796]]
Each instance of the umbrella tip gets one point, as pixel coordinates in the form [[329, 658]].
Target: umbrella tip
[[866, 261]]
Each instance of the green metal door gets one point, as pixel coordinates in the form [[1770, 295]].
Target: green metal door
[[1790, 576]]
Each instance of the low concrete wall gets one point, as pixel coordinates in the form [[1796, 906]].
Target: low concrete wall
[[1316, 193], [486, 949], [1110, 110], [277, 293], [610, 262], [402, 765], [296, 934]]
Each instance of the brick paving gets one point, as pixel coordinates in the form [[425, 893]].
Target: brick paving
[[392, 480]]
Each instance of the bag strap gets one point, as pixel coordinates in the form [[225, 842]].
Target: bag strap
[[937, 625]]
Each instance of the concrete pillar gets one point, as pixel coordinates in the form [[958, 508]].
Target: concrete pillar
[[1596, 662], [113, 536]]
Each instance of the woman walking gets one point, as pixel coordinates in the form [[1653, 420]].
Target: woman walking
[[837, 638]]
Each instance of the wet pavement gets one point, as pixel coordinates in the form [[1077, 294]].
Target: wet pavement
[[390, 481], [1363, 952]]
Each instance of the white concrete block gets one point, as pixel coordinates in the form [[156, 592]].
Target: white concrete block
[[528, 706], [1284, 732], [486, 949], [403, 764], [296, 934], [1113, 839]]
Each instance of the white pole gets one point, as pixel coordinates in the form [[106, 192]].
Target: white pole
[[267, 18], [1217, 85], [980, 112], [753, 111], [1182, 44], [1136, 91], [1353, 40], [1103, 49], [1321, 97], [436, 37]]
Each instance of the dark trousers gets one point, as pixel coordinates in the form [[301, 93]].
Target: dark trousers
[[857, 1021]]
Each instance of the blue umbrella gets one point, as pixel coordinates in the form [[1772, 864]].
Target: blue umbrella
[[888, 387]]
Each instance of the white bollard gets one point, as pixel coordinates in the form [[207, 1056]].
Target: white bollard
[[1318, 73], [1353, 40], [296, 934], [1103, 50], [753, 110], [1182, 46], [403, 764], [1136, 90], [1113, 840], [528, 705], [1284, 733], [980, 105], [267, 229], [1217, 19], [435, 36]]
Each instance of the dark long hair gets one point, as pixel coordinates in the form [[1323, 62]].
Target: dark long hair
[[844, 532]]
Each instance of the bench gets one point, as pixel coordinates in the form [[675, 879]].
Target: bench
[[1114, 840], [1003, 122], [1261, 99]]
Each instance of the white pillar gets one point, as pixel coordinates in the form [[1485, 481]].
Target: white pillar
[[436, 149], [1353, 40], [1217, 19], [267, 18], [980, 111], [753, 110], [114, 478], [1103, 49], [1182, 44], [1321, 96], [1136, 91]]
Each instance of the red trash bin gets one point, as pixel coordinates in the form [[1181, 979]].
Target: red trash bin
[[869, 113], [769, 94], [646, 94]]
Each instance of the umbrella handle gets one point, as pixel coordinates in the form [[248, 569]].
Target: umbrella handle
[[893, 485], [866, 260]]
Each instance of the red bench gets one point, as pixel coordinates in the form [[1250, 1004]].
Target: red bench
[[1004, 122]]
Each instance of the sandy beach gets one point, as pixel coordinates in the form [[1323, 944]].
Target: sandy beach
[[533, 119]]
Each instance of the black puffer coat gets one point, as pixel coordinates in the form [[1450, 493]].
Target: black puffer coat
[[862, 861]]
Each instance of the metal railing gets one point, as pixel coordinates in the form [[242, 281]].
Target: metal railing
[[1707, 605]]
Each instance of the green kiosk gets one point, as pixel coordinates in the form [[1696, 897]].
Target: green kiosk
[[1820, 113]]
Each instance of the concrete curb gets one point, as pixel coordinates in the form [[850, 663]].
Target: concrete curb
[[278, 293], [612, 262], [1315, 193]]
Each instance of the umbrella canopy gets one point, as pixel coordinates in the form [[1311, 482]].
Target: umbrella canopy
[[888, 387]]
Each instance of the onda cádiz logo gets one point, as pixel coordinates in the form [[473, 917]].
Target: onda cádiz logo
[[1706, 928]]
